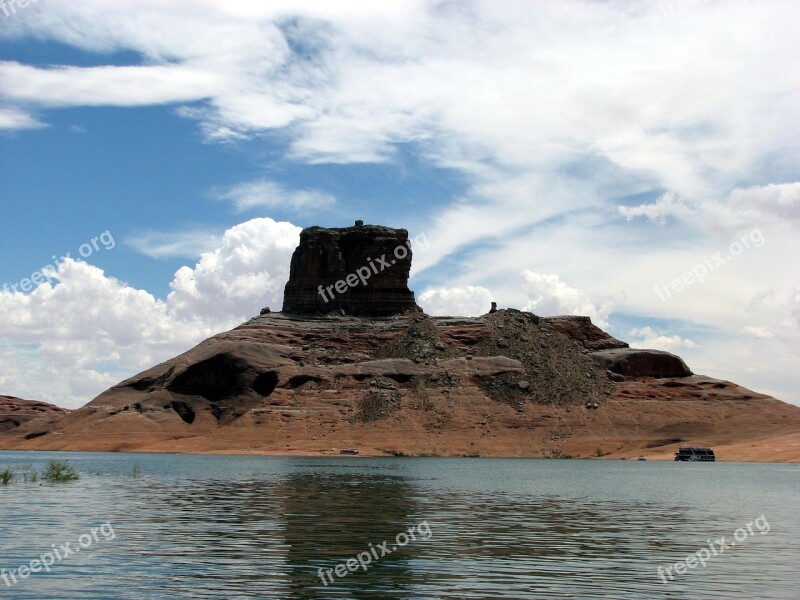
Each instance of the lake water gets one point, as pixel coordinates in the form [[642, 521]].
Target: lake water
[[262, 527]]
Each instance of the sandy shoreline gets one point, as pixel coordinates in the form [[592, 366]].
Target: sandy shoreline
[[777, 450]]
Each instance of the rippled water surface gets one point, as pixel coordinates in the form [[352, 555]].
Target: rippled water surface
[[262, 527]]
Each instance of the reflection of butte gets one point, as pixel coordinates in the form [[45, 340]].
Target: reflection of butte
[[330, 519], [234, 514]]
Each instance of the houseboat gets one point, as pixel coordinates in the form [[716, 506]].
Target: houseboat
[[695, 454]]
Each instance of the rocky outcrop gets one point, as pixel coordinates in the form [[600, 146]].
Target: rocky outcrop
[[503, 384], [582, 330], [615, 355], [632, 362], [361, 270], [17, 414]]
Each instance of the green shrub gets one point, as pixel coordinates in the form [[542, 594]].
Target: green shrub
[[28, 474], [59, 471], [6, 476]]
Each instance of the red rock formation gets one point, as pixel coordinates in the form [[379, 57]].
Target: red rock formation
[[581, 329], [360, 270], [18, 415], [632, 362], [505, 384]]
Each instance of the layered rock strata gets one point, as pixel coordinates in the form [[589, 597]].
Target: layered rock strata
[[17, 414], [503, 384], [361, 270]]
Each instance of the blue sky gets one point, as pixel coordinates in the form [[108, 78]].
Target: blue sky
[[571, 157]]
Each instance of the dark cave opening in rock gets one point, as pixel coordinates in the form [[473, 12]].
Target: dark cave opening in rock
[[265, 383], [215, 378], [184, 411]]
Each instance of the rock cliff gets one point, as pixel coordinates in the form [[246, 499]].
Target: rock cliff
[[361, 270]]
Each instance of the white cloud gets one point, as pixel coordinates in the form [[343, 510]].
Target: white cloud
[[13, 118], [68, 340], [233, 282], [776, 201], [758, 332], [185, 244], [106, 86], [668, 205], [549, 296], [80, 329], [270, 194], [794, 306], [465, 301], [649, 338]]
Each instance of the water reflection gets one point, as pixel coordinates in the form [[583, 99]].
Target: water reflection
[[328, 519], [261, 528]]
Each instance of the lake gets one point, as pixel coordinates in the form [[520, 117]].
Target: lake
[[191, 526]]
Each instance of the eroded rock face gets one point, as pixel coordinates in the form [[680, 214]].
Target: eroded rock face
[[632, 362], [361, 270], [582, 330], [502, 384], [15, 413]]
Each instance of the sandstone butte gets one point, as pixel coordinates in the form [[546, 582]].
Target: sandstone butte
[[367, 370]]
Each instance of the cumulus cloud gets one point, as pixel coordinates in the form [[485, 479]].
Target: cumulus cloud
[[72, 337], [270, 194], [649, 338], [549, 296], [768, 202], [464, 301], [247, 272]]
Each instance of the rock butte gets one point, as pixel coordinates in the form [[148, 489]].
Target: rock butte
[[369, 371], [325, 257]]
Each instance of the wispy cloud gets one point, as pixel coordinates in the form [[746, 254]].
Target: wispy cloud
[[183, 244], [667, 205], [270, 194], [14, 118], [106, 86]]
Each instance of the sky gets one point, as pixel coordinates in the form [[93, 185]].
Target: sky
[[636, 162]]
